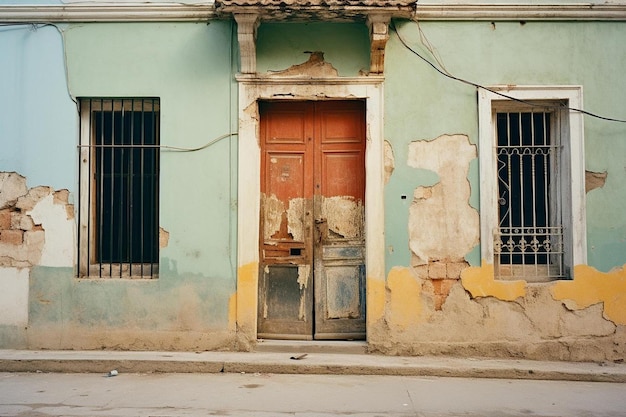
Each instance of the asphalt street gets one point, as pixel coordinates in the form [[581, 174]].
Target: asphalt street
[[265, 395]]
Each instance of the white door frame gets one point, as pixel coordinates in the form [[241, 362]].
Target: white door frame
[[251, 90]]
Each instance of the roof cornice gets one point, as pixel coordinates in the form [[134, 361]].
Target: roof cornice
[[521, 11], [78, 13], [176, 12]]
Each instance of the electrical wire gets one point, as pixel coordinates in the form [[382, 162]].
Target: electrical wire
[[206, 145], [167, 147], [491, 90], [429, 46]]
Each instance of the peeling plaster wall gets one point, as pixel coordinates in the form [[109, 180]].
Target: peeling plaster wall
[[442, 225], [42, 305], [536, 324], [430, 305], [191, 305], [421, 103], [423, 300], [36, 228], [38, 120]]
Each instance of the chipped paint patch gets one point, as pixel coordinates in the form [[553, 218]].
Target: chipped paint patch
[[590, 287], [480, 282], [164, 238], [442, 224], [389, 162], [315, 67], [295, 218], [344, 215], [594, 180], [404, 307], [58, 248], [273, 210], [304, 272]]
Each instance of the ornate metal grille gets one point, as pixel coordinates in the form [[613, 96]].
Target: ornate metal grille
[[529, 240], [119, 234]]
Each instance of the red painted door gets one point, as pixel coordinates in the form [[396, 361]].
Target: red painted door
[[312, 271]]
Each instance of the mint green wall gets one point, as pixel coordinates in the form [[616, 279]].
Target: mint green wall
[[345, 46], [189, 67], [422, 104]]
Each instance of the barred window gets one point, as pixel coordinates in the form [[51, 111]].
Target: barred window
[[532, 200], [529, 237], [119, 188]]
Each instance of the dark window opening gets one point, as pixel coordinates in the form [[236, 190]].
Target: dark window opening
[[124, 154], [529, 231]]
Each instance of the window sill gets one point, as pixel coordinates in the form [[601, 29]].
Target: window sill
[[123, 271]]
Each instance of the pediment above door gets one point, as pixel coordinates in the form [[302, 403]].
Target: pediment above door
[[377, 14]]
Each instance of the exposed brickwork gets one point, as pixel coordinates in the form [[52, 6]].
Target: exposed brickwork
[[441, 289], [437, 270], [22, 233], [12, 237], [441, 270], [5, 219]]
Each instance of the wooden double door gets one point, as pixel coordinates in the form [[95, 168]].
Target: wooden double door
[[312, 243]]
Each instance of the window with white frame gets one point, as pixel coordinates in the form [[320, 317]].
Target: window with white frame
[[532, 182], [119, 188]]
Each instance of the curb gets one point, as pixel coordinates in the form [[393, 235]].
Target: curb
[[314, 363]]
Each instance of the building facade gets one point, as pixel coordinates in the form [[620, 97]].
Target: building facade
[[433, 178]]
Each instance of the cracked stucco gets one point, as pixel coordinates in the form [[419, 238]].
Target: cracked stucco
[[37, 226], [532, 325], [36, 229]]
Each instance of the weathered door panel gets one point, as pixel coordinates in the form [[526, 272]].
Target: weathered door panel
[[312, 272], [339, 253], [285, 285]]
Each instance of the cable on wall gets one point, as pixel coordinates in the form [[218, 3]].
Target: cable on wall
[[172, 148], [480, 86], [206, 145]]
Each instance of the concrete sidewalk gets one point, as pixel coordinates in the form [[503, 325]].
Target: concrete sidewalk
[[286, 358]]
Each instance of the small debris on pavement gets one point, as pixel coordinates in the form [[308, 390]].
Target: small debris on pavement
[[113, 373], [297, 358]]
